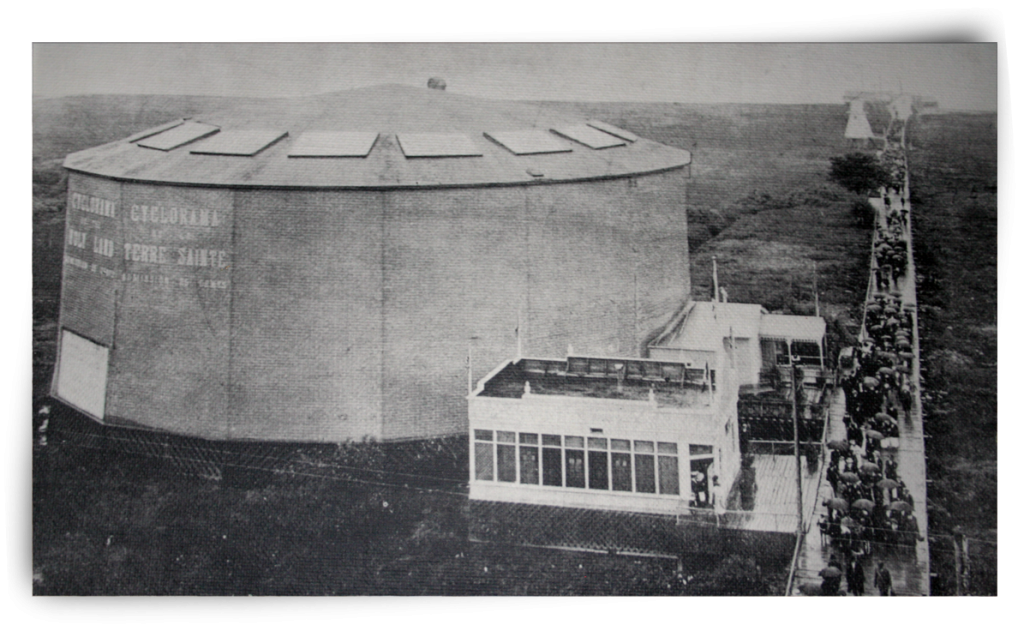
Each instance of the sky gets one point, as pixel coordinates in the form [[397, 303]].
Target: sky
[[960, 76]]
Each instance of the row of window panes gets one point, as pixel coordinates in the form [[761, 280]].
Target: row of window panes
[[580, 464]]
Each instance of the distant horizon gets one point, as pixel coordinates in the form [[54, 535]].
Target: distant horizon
[[961, 77], [35, 97]]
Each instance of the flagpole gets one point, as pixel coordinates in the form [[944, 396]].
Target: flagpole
[[796, 446], [519, 334]]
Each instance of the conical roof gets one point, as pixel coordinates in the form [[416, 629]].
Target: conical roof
[[389, 136]]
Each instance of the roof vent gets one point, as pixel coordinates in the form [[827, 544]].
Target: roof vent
[[436, 83]]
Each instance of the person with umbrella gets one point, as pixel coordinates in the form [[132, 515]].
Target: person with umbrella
[[835, 505], [886, 486], [831, 580], [874, 439], [833, 561]]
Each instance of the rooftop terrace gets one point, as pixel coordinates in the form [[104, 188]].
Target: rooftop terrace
[[673, 384]]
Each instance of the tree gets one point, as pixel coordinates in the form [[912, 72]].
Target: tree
[[860, 173]]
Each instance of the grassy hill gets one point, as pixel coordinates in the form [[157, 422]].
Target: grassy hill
[[953, 168]]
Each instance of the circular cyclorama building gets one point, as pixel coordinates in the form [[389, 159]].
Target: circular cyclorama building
[[318, 269]]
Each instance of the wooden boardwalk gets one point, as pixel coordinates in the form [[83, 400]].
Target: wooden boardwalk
[[774, 508], [908, 564]]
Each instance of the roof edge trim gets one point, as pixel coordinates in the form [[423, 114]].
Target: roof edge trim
[[533, 181]]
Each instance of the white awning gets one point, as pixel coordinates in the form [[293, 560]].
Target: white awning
[[788, 327]]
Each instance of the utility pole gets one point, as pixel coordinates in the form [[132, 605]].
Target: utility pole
[[796, 445], [714, 277], [636, 313], [519, 334], [469, 363], [962, 562], [817, 311]]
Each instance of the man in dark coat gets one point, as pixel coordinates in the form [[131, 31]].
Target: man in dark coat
[[855, 577], [833, 477], [883, 580], [890, 468]]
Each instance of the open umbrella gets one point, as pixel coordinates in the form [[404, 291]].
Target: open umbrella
[[897, 506], [841, 445], [873, 308], [904, 369], [864, 504], [870, 382], [887, 483], [849, 522], [810, 589], [885, 370], [872, 434], [837, 503], [849, 477], [907, 354], [830, 572], [891, 442], [882, 417], [869, 467]]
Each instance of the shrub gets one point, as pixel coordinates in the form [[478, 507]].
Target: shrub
[[863, 212]]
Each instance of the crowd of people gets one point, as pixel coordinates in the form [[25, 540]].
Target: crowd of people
[[890, 256], [870, 504]]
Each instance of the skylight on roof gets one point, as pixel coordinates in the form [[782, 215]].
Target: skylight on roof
[[333, 144], [614, 131], [239, 142], [589, 136], [436, 145], [529, 141], [178, 135], [153, 131]]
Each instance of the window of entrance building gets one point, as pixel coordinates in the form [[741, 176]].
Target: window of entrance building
[[552, 460], [528, 470], [597, 463], [575, 469], [622, 466], [668, 469]]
